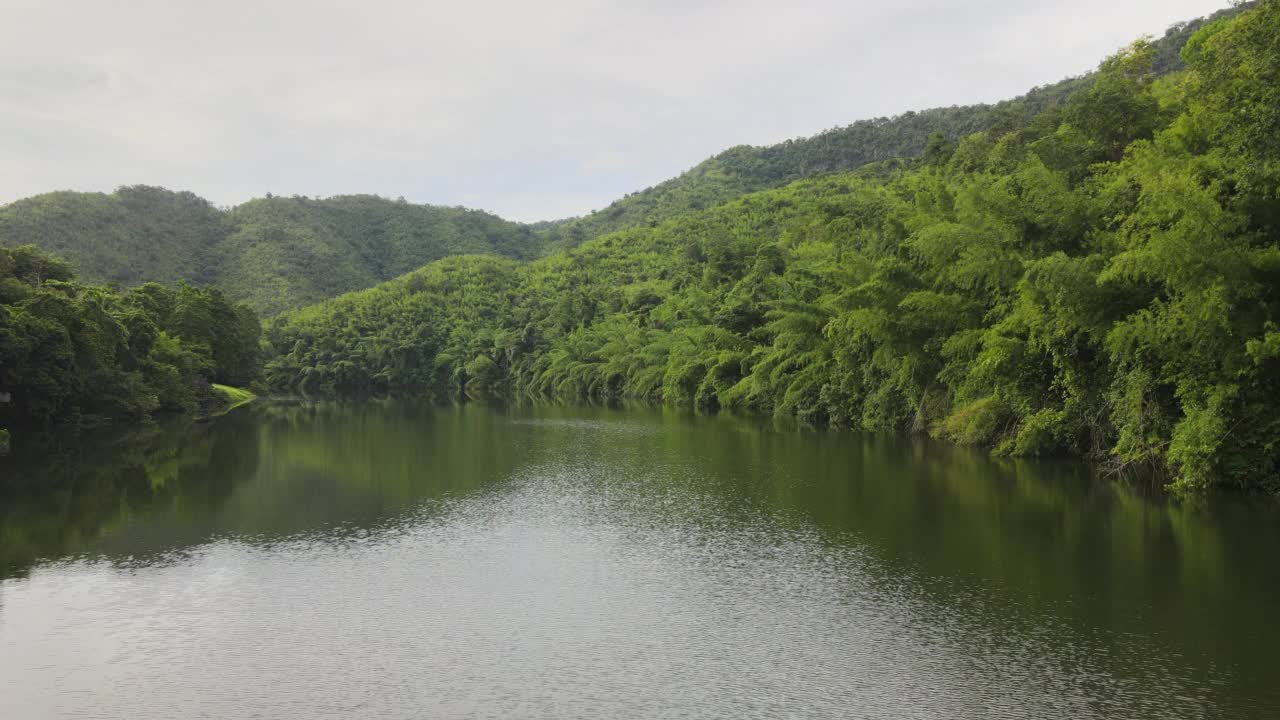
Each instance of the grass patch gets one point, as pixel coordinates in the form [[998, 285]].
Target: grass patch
[[234, 396]]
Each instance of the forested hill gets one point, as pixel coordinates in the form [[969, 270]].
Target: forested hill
[[285, 252], [274, 253], [278, 253], [1103, 280], [744, 169]]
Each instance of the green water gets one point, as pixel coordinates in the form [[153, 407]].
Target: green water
[[399, 560]]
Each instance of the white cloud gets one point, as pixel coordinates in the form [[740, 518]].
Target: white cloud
[[531, 110]]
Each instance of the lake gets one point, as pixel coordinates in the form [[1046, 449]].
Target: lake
[[389, 559]]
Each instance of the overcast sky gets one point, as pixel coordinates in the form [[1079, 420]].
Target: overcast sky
[[533, 110]]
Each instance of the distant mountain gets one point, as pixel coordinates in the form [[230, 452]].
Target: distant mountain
[[274, 253], [285, 252]]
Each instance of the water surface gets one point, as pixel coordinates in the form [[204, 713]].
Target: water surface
[[400, 560]]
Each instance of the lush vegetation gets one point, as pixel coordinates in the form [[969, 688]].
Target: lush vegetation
[[1103, 279], [71, 352], [273, 253]]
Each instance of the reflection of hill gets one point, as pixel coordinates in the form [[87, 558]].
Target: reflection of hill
[[1021, 540], [265, 474], [62, 495]]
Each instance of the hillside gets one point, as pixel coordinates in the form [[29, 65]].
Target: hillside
[[274, 253], [1103, 280], [747, 168]]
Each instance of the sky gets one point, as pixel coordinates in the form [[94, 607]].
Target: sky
[[532, 110]]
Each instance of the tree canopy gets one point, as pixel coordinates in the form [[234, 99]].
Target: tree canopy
[[71, 352]]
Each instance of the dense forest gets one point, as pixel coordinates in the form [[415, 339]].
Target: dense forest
[[77, 353], [1102, 279], [273, 253]]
